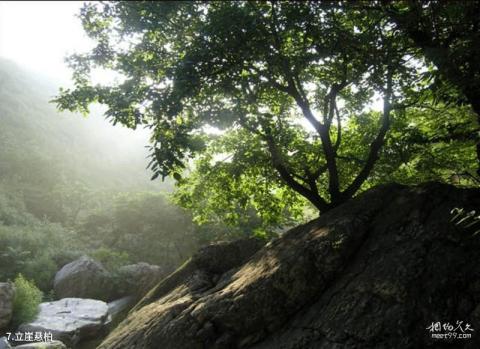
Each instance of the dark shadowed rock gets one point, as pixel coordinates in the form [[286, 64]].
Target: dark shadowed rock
[[70, 320], [83, 278], [204, 269], [7, 295], [372, 273]]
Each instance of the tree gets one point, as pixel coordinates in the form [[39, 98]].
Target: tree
[[262, 70], [448, 33]]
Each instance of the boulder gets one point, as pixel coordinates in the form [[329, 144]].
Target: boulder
[[4, 344], [383, 270], [7, 295], [204, 269], [138, 279], [70, 320], [43, 345], [83, 278]]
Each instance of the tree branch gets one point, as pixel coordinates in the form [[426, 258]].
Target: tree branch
[[285, 174], [338, 141], [311, 194], [376, 144], [323, 130]]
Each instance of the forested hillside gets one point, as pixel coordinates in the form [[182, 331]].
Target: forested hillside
[[70, 148], [71, 185]]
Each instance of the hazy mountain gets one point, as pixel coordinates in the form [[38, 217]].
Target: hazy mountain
[[35, 136]]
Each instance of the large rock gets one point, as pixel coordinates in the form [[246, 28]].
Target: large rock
[[138, 279], [43, 345], [70, 320], [83, 278], [204, 269], [7, 295], [375, 272]]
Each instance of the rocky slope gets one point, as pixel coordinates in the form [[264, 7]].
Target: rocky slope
[[373, 273]]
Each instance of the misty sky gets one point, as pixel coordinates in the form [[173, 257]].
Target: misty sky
[[38, 35]]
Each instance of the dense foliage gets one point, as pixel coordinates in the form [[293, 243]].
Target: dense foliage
[[275, 101], [447, 32]]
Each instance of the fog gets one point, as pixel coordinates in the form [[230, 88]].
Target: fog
[[96, 150]]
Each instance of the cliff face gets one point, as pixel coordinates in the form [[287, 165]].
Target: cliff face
[[373, 273]]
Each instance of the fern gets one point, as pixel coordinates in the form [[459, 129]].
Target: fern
[[466, 220]]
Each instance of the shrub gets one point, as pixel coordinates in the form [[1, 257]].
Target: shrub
[[27, 299], [110, 259]]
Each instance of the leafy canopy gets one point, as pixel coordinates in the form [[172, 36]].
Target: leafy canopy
[[290, 86], [447, 32]]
